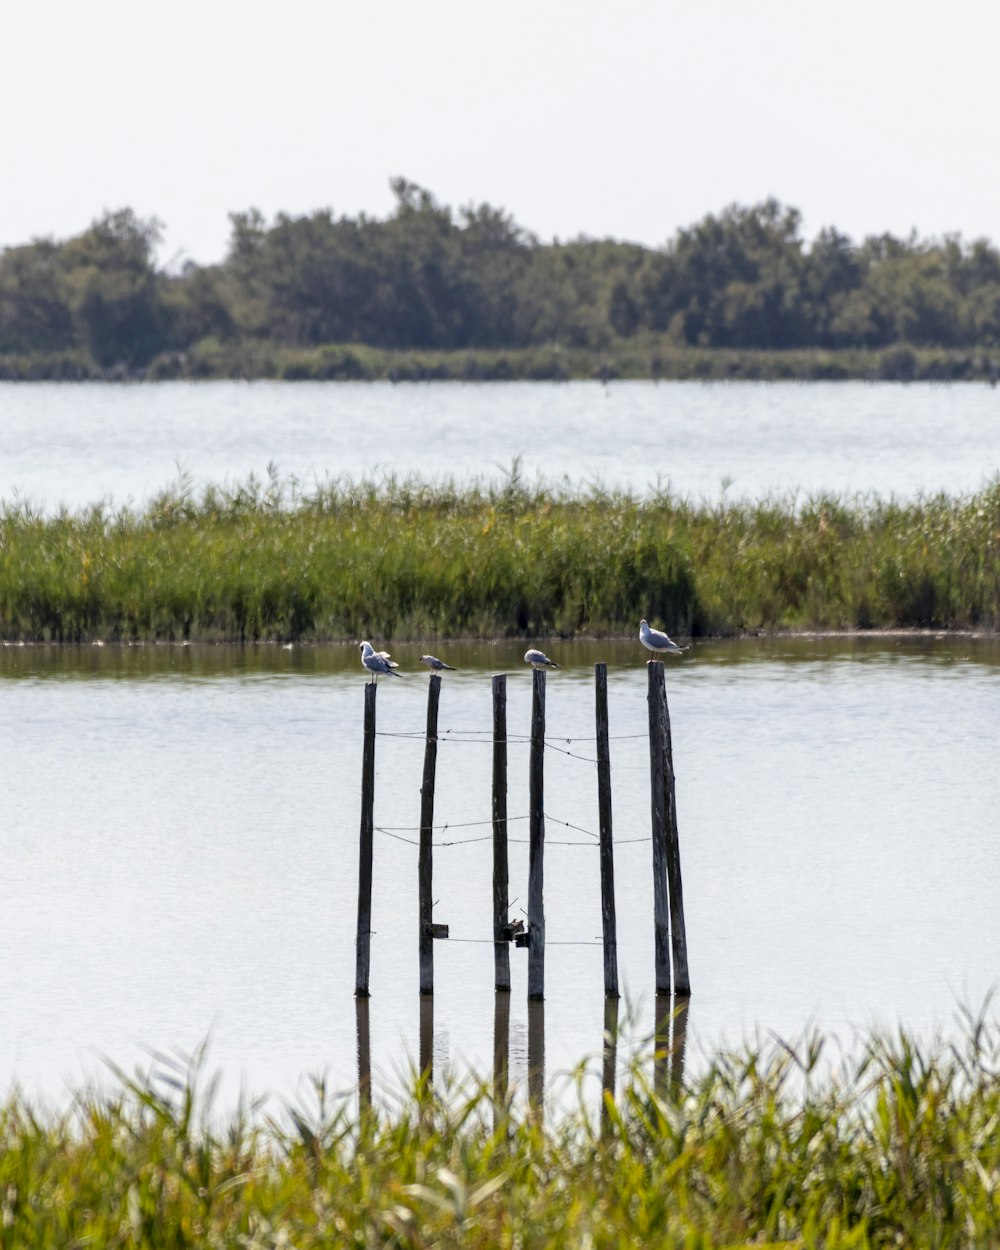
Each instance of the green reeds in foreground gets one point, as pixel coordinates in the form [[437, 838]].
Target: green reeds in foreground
[[405, 559], [899, 1147]]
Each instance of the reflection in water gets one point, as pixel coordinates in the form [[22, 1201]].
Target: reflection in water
[[501, 1048], [205, 662], [609, 1066], [669, 1041], [364, 1052], [427, 1037], [536, 1054]]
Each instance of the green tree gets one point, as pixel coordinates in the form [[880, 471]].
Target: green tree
[[114, 290], [35, 315]]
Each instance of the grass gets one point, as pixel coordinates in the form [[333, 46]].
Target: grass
[[401, 559], [897, 1147], [649, 356]]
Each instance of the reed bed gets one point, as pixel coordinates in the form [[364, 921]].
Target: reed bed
[[897, 1147], [265, 559]]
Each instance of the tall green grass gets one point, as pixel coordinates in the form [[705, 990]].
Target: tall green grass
[[898, 1147], [265, 559], [646, 356]]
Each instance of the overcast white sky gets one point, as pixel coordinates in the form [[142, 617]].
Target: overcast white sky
[[620, 118]]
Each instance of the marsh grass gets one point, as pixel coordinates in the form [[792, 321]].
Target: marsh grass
[[896, 1147], [266, 558], [647, 355]]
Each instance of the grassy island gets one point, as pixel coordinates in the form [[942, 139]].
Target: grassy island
[[401, 559]]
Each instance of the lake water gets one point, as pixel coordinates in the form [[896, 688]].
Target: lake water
[[180, 829], [73, 444]]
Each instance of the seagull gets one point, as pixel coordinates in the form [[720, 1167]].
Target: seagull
[[656, 641], [377, 662], [434, 664], [538, 659]]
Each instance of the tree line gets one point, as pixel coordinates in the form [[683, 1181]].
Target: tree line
[[430, 277]]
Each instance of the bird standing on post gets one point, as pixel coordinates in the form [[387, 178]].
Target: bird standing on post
[[435, 665], [656, 640], [538, 659], [377, 662]]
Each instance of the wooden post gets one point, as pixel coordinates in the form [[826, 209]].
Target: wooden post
[[364, 938], [501, 932], [656, 699], [425, 862], [536, 839], [678, 932], [607, 848]]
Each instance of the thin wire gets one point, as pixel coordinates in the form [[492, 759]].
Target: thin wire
[[485, 838], [572, 754], [485, 736], [498, 942], [579, 828], [449, 824]]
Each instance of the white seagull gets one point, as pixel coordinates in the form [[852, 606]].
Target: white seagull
[[656, 641], [377, 662], [434, 664], [538, 659]]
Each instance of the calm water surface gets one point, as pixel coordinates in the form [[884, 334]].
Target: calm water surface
[[180, 851], [77, 443]]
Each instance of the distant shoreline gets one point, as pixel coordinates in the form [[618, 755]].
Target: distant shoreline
[[647, 359]]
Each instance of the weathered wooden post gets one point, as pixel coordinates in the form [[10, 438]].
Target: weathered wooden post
[[678, 932], [501, 929], [425, 861], [536, 839], [658, 796], [364, 938], [608, 918]]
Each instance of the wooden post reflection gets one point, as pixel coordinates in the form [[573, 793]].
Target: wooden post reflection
[[610, 1065], [536, 1054], [501, 1052], [670, 1041], [661, 1043], [364, 1053], [678, 1041], [427, 1037]]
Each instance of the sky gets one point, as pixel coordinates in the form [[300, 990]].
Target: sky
[[626, 120]]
